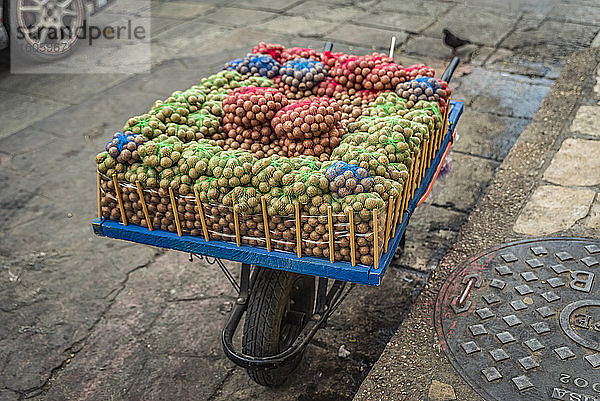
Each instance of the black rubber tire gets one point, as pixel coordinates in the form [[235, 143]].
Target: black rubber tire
[[274, 293], [25, 49]]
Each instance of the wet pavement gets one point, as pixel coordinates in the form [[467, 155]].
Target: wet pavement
[[89, 318]]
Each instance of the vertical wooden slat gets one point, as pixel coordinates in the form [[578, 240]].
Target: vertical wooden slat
[[298, 231], [263, 203], [99, 197], [119, 199], [408, 183], [175, 212], [352, 237], [236, 223], [144, 206], [375, 240], [200, 207], [388, 221], [331, 233], [396, 215]]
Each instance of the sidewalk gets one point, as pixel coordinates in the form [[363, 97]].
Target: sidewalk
[[548, 185]]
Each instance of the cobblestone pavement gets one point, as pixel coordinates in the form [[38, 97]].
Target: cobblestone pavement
[[89, 318]]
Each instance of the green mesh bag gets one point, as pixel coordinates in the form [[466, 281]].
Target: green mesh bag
[[162, 152], [233, 168], [363, 205], [269, 172], [387, 104], [108, 166], [147, 125], [209, 190], [175, 112], [247, 200], [147, 176], [196, 156]]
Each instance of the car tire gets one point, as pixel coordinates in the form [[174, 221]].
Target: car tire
[[38, 44]]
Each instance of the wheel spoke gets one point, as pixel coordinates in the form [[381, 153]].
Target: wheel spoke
[[30, 9], [68, 12]]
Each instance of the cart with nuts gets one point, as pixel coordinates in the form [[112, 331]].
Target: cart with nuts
[[304, 167]]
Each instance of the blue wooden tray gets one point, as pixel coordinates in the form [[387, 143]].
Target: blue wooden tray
[[360, 274]]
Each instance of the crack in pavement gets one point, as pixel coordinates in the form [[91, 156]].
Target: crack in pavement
[[42, 389]]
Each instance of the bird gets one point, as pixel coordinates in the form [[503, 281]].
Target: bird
[[453, 41]]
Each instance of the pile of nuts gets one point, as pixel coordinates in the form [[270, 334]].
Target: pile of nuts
[[293, 128]]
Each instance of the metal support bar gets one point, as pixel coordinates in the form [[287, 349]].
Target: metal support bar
[[321, 296], [216, 261], [244, 284]]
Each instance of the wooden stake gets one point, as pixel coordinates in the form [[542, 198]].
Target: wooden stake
[[408, 183], [331, 233], [236, 223], [99, 198], [388, 222], [175, 213], [200, 207], [375, 241], [396, 215], [144, 206], [263, 202], [352, 237], [413, 185], [298, 231], [119, 199]]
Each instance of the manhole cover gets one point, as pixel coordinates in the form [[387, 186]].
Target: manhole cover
[[529, 328]]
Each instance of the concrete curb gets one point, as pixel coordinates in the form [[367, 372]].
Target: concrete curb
[[413, 366]]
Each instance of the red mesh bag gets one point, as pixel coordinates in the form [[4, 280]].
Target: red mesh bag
[[385, 76], [299, 52], [353, 71], [251, 106], [247, 116], [331, 60], [328, 88], [307, 119], [367, 94], [272, 49], [419, 70], [320, 147]]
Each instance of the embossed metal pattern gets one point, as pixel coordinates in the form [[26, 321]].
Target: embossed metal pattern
[[530, 328]]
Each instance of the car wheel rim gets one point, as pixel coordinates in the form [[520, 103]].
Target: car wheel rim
[[50, 26]]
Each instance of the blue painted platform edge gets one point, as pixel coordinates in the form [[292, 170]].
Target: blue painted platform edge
[[288, 261]]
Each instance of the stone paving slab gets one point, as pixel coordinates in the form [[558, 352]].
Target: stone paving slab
[[297, 25], [237, 17], [553, 208], [580, 14], [548, 39], [25, 110], [574, 164], [469, 175], [587, 121], [313, 9], [426, 7], [180, 10], [483, 26], [412, 23], [275, 5], [372, 38], [488, 135]]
